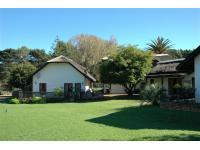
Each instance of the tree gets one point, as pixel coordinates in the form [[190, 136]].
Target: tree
[[159, 45], [87, 50], [38, 56], [180, 53], [22, 54], [21, 75], [60, 47], [91, 49], [10, 58], [7, 57], [128, 68]]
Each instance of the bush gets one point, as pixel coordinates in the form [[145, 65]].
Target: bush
[[1, 91], [38, 100], [55, 100], [58, 92], [154, 94], [97, 90], [26, 100], [14, 101]]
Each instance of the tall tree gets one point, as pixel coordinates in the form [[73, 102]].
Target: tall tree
[[91, 49], [160, 45], [10, 58], [21, 75], [38, 56], [179, 53], [87, 50], [22, 54], [7, 58], [128, 68]]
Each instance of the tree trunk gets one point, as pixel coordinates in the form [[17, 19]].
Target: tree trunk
[[129, 88]]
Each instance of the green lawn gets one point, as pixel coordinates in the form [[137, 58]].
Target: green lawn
[[103, 120]]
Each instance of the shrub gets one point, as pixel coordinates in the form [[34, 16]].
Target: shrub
[[58, 92], [154, 94], [26, 100], [38, 100], [55, 100], [97, 90], [14, 101], [1, 91]]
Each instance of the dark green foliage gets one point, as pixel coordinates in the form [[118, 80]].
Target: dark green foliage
[[21, 75], [38, 57], [127, 68], [10, 58], [55, 100], [181, 92]]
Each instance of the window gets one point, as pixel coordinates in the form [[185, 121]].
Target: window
[[43, 87]]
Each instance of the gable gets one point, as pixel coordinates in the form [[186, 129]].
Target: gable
[[57, 72]]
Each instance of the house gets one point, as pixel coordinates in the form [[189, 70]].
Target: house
[[191, 65], [61, 72], [165, 74]]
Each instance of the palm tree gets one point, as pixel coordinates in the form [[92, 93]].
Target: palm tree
[[160, 45]]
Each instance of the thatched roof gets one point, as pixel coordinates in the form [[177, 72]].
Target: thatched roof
[[188, 64], [166, 67], [63, 59]]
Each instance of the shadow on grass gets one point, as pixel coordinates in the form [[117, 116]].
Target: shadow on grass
[[181, 137], [106, 98], [123, 97], [150, 117]]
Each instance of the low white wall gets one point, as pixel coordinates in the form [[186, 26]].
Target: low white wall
[[117, 89]]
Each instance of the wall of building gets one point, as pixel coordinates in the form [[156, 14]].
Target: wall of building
[[197, 78], [186, 81], [55, 75], [117, 89]]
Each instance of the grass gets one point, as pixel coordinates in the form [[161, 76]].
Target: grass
[[102, 120]]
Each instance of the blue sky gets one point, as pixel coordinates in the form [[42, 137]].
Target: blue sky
[[38, 28]]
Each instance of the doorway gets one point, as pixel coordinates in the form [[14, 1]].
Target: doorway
[[68, 90], [173, 83]]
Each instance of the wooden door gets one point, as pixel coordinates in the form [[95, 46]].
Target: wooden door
[[68, 90], [43, 87]]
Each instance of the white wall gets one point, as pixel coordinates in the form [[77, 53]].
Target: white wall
[[197, 78], [55, 75], [117, 89]]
